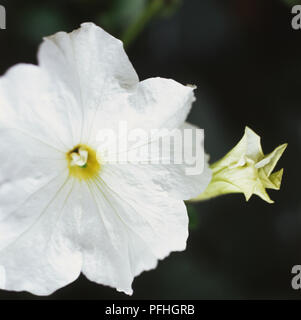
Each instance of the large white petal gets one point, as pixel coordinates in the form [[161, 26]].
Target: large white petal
[[43, 255], [91, 65], [27, 167], [127, 227], [34, 105]]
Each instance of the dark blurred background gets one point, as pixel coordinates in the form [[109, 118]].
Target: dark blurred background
[[246, 60]]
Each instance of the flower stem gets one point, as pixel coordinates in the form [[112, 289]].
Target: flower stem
[[138, 25]]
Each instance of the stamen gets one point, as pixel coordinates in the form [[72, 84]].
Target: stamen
[[83, 163], [79, 158]]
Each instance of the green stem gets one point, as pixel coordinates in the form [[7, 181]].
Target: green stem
[[292, 2], [138, 25]]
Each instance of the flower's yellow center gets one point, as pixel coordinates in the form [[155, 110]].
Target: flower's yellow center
[[83, 163]]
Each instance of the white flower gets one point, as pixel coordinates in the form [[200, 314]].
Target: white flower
[[62, 211]]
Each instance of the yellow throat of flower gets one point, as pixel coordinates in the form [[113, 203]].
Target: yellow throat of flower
[[82, 162]]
